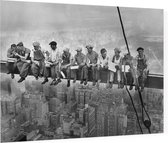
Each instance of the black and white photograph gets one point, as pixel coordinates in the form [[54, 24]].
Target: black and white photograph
[[80, 71]]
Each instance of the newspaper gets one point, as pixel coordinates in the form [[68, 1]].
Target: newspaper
[[48, 64], [63, 75], [111, 66], [11, 60], [127, 67], [74, 67]]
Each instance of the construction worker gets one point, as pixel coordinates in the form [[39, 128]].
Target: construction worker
[[11, 66], [24, 60], [117, 60], [37, 66], [92, 58], [103, 61], [67, 61], [142, 68], [54, 61], [80, 60], [128, 60]]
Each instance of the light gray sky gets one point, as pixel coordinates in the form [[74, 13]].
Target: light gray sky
[[30, 21], [39, 16]]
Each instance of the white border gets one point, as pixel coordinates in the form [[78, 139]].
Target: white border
[[161, 4]]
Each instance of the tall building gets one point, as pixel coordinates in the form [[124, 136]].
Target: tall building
[[81, 113], [54, 104], [90, 121], [100, 121], [131, 123], [67, 122], [54, 120], [112, 122]]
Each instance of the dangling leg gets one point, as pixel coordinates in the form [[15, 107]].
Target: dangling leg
[[53, 75], [85, 74], [68, 71], [46, 74], [110, 79], [35, 70]]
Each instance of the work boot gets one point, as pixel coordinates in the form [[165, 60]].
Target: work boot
[[136, 87], [131, 87], [94, 83], [74, 80], [53, 82], [142, 88], [85, 83], [110, 85], [40, 75], [81, 82], [107, 85], [98, 84], [8, 72], [57, 81], [119, 85], [45, 80], [68, 83], [12, 76], [36, 77], [21, 79]]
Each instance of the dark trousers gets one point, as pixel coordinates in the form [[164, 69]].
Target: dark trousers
[[23, 68], [55, 72], [142, 77], [83, 70], [66, 70], [100, 69], [11, 67], [37, 69], [95, 73]]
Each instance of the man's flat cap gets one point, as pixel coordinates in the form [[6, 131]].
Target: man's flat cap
[[140, 48], [66, 50], [36, 44], [13, 45], [89, 46], [53, 43], [79, 49], [20, 44]]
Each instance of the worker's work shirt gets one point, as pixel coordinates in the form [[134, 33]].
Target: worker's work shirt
[[38, 55], [10, 53], [66, 58], [141, 63], [92, 57], [23, 51], [80, 58], [54, 55], [117, 61], [103, 61]]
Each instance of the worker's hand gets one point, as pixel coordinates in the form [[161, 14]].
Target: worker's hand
[[16, 54], [88, 65], [82, 64], [94, 65], [106, 66]]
